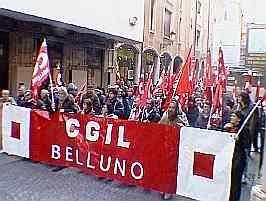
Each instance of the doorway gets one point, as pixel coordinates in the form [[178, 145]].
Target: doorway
[[4, 60]]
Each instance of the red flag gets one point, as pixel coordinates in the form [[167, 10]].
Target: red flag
[[41, 70], [179, 84], [217, 105], [184, 85], [147, 90], [222, 74], [208, 79], [80, 92]]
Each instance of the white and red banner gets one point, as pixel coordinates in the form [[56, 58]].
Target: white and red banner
[[41, 70], [188, 161]]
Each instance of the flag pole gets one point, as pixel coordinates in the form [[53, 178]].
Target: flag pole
[[51, 81], [209, 120], [247, 119]]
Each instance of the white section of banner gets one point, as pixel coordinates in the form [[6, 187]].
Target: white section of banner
[[218, 144], [21, 117]]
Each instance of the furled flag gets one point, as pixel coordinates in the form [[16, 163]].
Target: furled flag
[[208, 79], [217, 106], [248, 81], [41, 70], [235, 91], [222, 74], [147, 90]]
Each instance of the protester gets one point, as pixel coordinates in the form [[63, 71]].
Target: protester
[[90, 94], [150, 113], [44, 102], [240, 156], [29, 101], [65, 102], [87, 107], [5, 98], [20, 95], [203, 118], [114, 106], [192, 112]]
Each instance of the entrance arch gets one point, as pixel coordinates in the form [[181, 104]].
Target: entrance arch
[[151, 59], [128, 61]]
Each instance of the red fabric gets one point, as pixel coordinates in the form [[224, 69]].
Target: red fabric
[[217, 105], [183, 85], [222, 74], [152, 145], [15, 130], [203, 165]]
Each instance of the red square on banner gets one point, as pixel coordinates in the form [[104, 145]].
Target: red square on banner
[[203, 165], [15, 130]]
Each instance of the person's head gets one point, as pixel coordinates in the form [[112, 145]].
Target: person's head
[[244, 98], [149, 104], [44, 93], [120, 93], [62, 93], [206, 108], [90, 89], [28, 95], [21, 90], [5, 94], [130, 92], [172, 110], [112, 93], [87, 104], [236, 118], [72, 89]]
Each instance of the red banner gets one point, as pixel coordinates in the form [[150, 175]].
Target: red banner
[[131, 152]]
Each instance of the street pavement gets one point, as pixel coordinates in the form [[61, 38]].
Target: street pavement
[[23, 180]]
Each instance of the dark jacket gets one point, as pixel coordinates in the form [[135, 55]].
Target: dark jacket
[[20, 100], [45, 104], [152, 115], [115, 107], [68, 105], [202, 121]]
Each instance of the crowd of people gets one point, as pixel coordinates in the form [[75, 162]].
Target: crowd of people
[[121, 102]]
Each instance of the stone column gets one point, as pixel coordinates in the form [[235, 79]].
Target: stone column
[[137, 68]]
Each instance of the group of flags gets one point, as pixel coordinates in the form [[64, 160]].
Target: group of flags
[[179, 86]]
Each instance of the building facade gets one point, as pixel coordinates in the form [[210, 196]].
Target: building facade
[[83, 38]]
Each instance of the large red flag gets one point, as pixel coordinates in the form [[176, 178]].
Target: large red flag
[[179, 84], [183, 85], [208, 79], [41, 70]]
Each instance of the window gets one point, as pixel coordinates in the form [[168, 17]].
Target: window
[[167, 23], [152, 16], [199, 7], [198, 38]]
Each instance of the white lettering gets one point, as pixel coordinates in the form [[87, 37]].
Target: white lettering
[[69, 154], [55, 152], [92, 135], [141, 171], [77, 157], [109, 134], [108, 164], [118, 166], [88, 161], [121, 142], [72, 128]]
